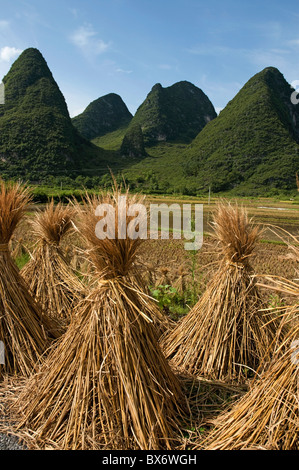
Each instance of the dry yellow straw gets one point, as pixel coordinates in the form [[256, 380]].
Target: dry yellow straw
[[226, 335], [107, 384], [50, 279], [268, 415], [24, 329]]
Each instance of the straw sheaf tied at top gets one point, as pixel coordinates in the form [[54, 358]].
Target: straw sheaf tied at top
[[112, 257], [25, 330], [14, 199], [235, 233], [53, 223]]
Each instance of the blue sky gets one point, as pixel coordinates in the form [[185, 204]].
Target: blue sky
[[95, 47]]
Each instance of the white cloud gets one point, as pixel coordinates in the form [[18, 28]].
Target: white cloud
[[86, 39], [293, 42], [8, 53], [81, 37], [4, 24], [123, 71], [74, 12]]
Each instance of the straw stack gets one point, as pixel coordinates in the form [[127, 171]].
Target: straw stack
[[107, 384], [267, 416], [51, 280], [111, 258], [25, 331], [225, 336]]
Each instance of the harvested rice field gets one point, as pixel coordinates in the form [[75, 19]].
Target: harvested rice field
[[156, 347]]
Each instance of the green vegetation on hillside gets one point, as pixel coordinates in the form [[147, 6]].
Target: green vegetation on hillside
[[176, 113], [160, 172], [111, 140], [251, 148], [133, 143], [104, 115], [37, 138], [252, 144], [36, 135], [175, 143]]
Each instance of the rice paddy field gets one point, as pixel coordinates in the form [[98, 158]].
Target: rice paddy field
[[167, 263], [118, 384], [268, 214]]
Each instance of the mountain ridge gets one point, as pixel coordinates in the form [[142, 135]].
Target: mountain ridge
[[103, 115], [37, 138], [253, 140], [174, 113], [174, 142], [250, 148]]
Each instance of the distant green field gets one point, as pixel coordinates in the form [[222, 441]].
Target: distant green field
[[268, 212], [112, 140]]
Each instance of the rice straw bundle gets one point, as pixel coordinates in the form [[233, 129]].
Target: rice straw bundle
[[267, 416], [225, 334], [25, 331], [106, 385], [50, 279], [111, 258]]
